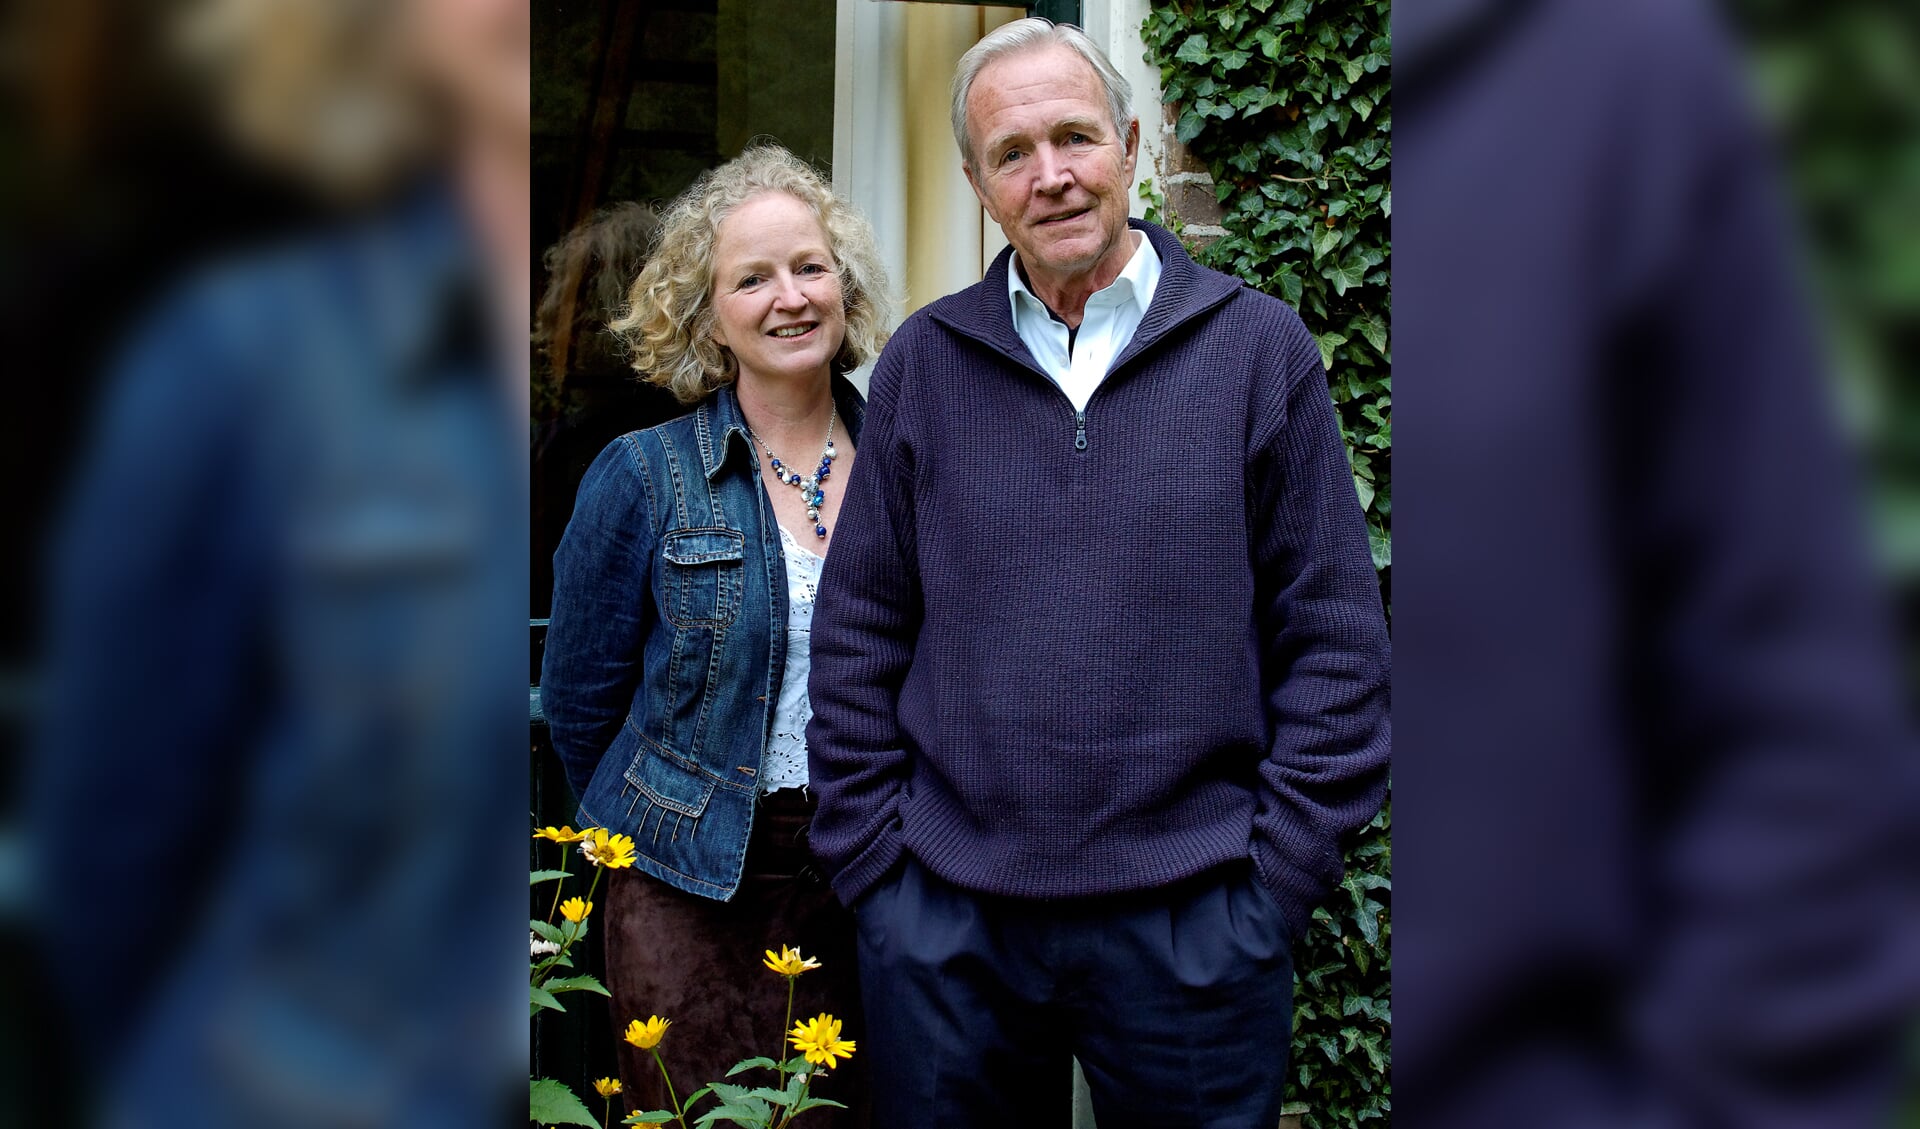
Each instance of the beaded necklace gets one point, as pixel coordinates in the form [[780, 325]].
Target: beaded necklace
[[812, 488]]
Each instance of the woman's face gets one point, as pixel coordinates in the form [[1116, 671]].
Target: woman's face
[[776, 291]]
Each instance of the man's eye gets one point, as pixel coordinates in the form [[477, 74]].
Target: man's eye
[[1009, 156], [1078, 138]]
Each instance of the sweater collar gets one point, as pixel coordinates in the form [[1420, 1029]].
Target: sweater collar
[[719, 422], [982, 311]]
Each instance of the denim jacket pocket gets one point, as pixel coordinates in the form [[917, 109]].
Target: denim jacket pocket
[[704, 577], [670, 781]]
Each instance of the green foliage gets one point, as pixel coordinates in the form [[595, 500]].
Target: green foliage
[[1837, 83], [551, 1103], [1286, 102]]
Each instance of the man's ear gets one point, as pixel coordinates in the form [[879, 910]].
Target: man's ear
[[1133, 148], [966, 167]]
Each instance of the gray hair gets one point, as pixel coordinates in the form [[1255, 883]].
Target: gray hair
[[1027, 35]]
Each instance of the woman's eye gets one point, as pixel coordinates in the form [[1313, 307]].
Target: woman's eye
[[749, 281], [813, 268]]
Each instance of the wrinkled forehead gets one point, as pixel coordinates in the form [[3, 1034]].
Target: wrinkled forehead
[[1042, 86]]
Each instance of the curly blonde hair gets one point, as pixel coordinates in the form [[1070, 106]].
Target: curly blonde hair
[[669, 320]]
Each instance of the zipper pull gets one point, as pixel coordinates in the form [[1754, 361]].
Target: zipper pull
[[1080, 429]]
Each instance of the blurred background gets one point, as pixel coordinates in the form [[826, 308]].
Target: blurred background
[[1838, 87], [261, 651]]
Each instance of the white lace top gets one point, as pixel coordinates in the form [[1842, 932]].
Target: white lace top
[[785, 765]]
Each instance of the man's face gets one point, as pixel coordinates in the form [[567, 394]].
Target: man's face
[[1048, 165]]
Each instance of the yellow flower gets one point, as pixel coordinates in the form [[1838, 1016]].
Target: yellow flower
[[575, 910], [647, 1035], [819, 1039], [602, 849], [606, 1087], [789, 962], [560, 834]]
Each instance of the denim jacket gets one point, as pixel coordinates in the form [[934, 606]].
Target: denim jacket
[[668, 640]]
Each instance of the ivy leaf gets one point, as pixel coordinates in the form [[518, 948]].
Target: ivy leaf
[[1381, 543], [1352, 272], [1373, 327], [1365, 489], [1325, 239], [1328, 342], [1268, 40], [1234, 60], [1190, 126], [551, 1103], [1294, 12], [1194, 50]]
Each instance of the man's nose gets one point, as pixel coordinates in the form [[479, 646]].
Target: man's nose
[[1054, 174]]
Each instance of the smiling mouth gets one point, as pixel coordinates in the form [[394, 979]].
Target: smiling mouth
[[1065, 218], [786, 331]]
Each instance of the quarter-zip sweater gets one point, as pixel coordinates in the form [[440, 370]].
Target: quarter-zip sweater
[[1059, 654]]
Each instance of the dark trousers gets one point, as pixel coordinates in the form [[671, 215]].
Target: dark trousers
[[1178, 1004]]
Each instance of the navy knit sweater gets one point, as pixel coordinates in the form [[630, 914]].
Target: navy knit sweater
[[1061, 654]]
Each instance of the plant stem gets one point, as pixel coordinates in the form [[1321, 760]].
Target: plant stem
[[679, 1114], [574, 929], [780, 1050], [560, 885], [804, 1087]]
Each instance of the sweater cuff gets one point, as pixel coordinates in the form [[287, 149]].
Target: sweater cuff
[[1295, 891], [871, 864]]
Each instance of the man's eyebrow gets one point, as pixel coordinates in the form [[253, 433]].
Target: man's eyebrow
[[1090, 126]]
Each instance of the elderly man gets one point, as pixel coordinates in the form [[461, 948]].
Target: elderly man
[[1100, 675]]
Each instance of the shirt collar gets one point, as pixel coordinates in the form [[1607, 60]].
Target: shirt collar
[[1135, 283]]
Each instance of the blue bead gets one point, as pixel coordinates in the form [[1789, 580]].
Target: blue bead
[[819, 531], [776, 464]]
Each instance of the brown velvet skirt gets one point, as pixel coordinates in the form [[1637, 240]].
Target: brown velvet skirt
[[698, 962]]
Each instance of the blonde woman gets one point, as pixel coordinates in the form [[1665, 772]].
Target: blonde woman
[[675, 674]]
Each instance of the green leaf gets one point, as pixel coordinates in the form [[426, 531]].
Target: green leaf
[[1350, 273], [577, 984], [1365, 489], [1382, 545], [1325, 239], [1194, 50], [551, 1103], [1191, 123], [535, 877], [1294, 12], [1234, 60], [747, 1111], [548, 932], [1373, 327], [751, 1063], [649, 1117], [541, 998], [1269, 41], [1328, 342], [813, 1101]]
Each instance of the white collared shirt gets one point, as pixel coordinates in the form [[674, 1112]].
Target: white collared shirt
[[1106, 325]]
